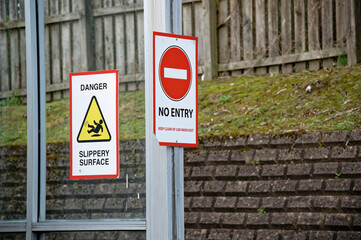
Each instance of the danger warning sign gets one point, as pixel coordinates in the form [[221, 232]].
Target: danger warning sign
[[94, 125]]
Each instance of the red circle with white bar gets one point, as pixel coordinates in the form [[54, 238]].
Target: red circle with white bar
[[175, 73]]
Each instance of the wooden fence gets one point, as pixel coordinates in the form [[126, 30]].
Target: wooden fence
[[235, 37]]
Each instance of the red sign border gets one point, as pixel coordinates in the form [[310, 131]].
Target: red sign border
[[196, 84], [71, 125]]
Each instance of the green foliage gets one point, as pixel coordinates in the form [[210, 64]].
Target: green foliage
[[225, 99], [342, 60], [13, 100], [261, 210], [337, 175]]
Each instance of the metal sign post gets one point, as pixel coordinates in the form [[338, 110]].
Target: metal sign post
[[164, 165]]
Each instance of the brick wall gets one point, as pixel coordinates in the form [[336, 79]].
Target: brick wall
[[305, 186], [275, 187]]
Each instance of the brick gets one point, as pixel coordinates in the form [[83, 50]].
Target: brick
[[273, 170], [309, 219], [202, 202], [265, 155], [320, 235], [259, 186], [218, 156], [248, 171], [308, 138], [242, 155], [257, 219], [248, 202], [299, 169], [334, 137], [352, 168], [328, 168], [351, 202], [283, 139], [283, 219], [191, 217], [94, 203], [357, 220], [273, 202], [316, 153], [226, 171], [310, 185], [187, 202], [236, 187], [355, 135], [193, 186], [337, 220], [233, 218], [196, 156], [235, 141], [225, 202], [357, 185], [293, 235], [211, 142], [187, 172], [220, 234], [114, 203], [210, 218], [284, 186], [257, 140], [267, 235], [243, 234], [214, 186], [348, 236], [326, 202], [300, 202], [195, 234], [339, 185], [203, 171], [343, 152], [289, 154]]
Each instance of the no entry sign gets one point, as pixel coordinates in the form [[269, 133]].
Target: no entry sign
[[94, 125], [175, 100]]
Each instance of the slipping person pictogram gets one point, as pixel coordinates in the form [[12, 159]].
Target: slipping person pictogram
[[96, 129], [97, 132]]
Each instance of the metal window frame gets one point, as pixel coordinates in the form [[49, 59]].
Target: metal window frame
[[35, 222]]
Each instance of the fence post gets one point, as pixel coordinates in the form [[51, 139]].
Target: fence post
[[354, 33], [210, 39]]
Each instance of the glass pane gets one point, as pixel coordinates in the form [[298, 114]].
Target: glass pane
[[121, 235], [12, 111], [12, 236], [78, 41]]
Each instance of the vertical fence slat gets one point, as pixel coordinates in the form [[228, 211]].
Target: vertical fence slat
[[187, 19], [55, 49], [273, 33], [4, 64], [140, 40], [108, 39], [199, 31], [235, 31], [247, 13], [223, 42], [260, 34], [354, 37], [14, 48], [120, 45], [286, 33], [340, 23], [22, 47], [77, 44], [98, 24], [300, 37], [47, 50], [327, 30], [130, 44], [65, 45], [313, 33]]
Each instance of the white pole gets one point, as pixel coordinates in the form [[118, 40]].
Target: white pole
[[164, 165]]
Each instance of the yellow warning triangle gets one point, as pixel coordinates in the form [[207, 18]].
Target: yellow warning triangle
[[94, 127]]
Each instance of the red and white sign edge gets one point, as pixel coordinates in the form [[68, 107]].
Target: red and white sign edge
[[181, 132], [114, 172]]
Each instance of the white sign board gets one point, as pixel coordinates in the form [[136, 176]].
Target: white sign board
[[94, 125], [175, 99]]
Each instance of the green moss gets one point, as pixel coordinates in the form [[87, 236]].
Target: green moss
[[250, 105]]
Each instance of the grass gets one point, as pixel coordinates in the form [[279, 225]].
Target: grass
[[228, 106]]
